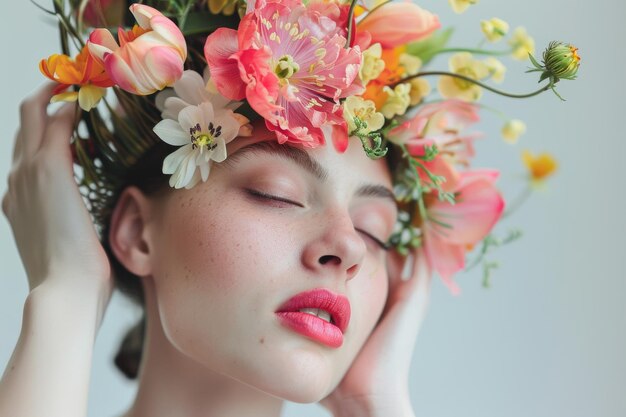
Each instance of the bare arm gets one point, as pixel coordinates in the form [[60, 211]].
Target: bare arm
[[67, 269]]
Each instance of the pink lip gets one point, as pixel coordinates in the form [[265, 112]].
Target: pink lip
[[330, 334]]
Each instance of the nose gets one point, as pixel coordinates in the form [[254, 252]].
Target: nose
[[334, 247]]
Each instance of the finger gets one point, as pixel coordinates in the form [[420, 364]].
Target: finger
[[409, 278], [33, 119], [59, 130], [17, 146]]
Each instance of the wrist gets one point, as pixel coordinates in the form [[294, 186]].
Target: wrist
[[76, 306]]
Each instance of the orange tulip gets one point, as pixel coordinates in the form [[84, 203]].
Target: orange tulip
[[82, 71]]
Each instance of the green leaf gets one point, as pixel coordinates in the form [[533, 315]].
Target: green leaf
[[206, 22], [429, 47], [534, 62]]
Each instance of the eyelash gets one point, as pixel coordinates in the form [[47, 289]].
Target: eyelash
[[383, 245], [265, 196]]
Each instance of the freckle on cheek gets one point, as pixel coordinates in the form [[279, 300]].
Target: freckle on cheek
[[262, 340]]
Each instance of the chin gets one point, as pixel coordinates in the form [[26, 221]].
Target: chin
[[303, 375]]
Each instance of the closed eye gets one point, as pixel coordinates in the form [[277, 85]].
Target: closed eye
[[383, 245], [265, 196]]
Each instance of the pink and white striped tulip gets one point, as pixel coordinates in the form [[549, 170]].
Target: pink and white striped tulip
[[398, 23], [148, 58]]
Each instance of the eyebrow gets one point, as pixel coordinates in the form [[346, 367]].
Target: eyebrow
[[304, 160]]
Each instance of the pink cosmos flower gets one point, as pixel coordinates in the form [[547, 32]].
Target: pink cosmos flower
[[398, 23], [149, 57], [290, 62], [450, 230]]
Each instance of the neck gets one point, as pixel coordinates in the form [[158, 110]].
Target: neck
[[172, 384]]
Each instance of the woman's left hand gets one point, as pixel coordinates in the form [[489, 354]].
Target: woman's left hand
[[377, 382]]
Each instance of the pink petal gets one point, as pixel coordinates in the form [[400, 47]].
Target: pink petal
[[143, 14], [478, 207], [219, 47], [121, 73], [163, 67], [101, 43], [445, 258], [170, 33]]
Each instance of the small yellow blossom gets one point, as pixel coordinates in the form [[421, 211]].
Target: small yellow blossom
[[459, 6], [372, 63], [398, 100], [410, 63], [512, 130], [225, 7], [539, 167], [420, 88], [496, 69], [364, 110], [494, 29], [463, 64], [522, 44]]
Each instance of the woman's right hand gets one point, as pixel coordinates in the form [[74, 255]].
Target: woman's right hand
[[53, 230]]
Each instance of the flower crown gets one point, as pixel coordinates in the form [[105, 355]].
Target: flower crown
[[303, 67]]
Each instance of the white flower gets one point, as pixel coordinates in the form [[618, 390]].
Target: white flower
[[193, 89], [202, 133]]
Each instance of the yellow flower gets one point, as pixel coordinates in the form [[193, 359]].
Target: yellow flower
[[420, 88], [496, 69], [539, 167], [463, 64], [225, 7], [365, 111], [494, 29], [522, 44], [398, 100], [372, 64], [512, 130], [459, 6], [410, 63]]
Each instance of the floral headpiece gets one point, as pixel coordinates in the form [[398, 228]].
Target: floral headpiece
[[353, 67]]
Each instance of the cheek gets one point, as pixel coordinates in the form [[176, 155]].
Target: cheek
[[219, 265]]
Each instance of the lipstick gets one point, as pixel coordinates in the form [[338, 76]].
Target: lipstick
[[318, 314]]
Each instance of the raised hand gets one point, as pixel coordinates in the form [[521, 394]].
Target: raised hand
[[51, 225], [377, 382]]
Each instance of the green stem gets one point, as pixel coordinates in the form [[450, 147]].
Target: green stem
[[350, 19], [477, 51], [473, 81]]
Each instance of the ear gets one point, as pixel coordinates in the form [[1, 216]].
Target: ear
[[127, 232]]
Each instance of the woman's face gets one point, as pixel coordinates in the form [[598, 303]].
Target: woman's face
[[271, 223]]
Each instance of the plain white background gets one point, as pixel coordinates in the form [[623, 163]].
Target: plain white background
[[548, 339]]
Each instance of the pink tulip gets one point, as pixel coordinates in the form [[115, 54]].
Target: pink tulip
[[451, 230], [149, 57], [395, 24]]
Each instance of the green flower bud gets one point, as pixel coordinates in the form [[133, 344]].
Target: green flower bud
[[560, 61]]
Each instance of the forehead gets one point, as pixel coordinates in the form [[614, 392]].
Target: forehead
[[324, 162]]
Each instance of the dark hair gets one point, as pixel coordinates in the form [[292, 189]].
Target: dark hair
[[146, 175]]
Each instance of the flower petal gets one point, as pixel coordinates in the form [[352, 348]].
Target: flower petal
[[219, 47], [190, 116], [171, 132], [172, 162]]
